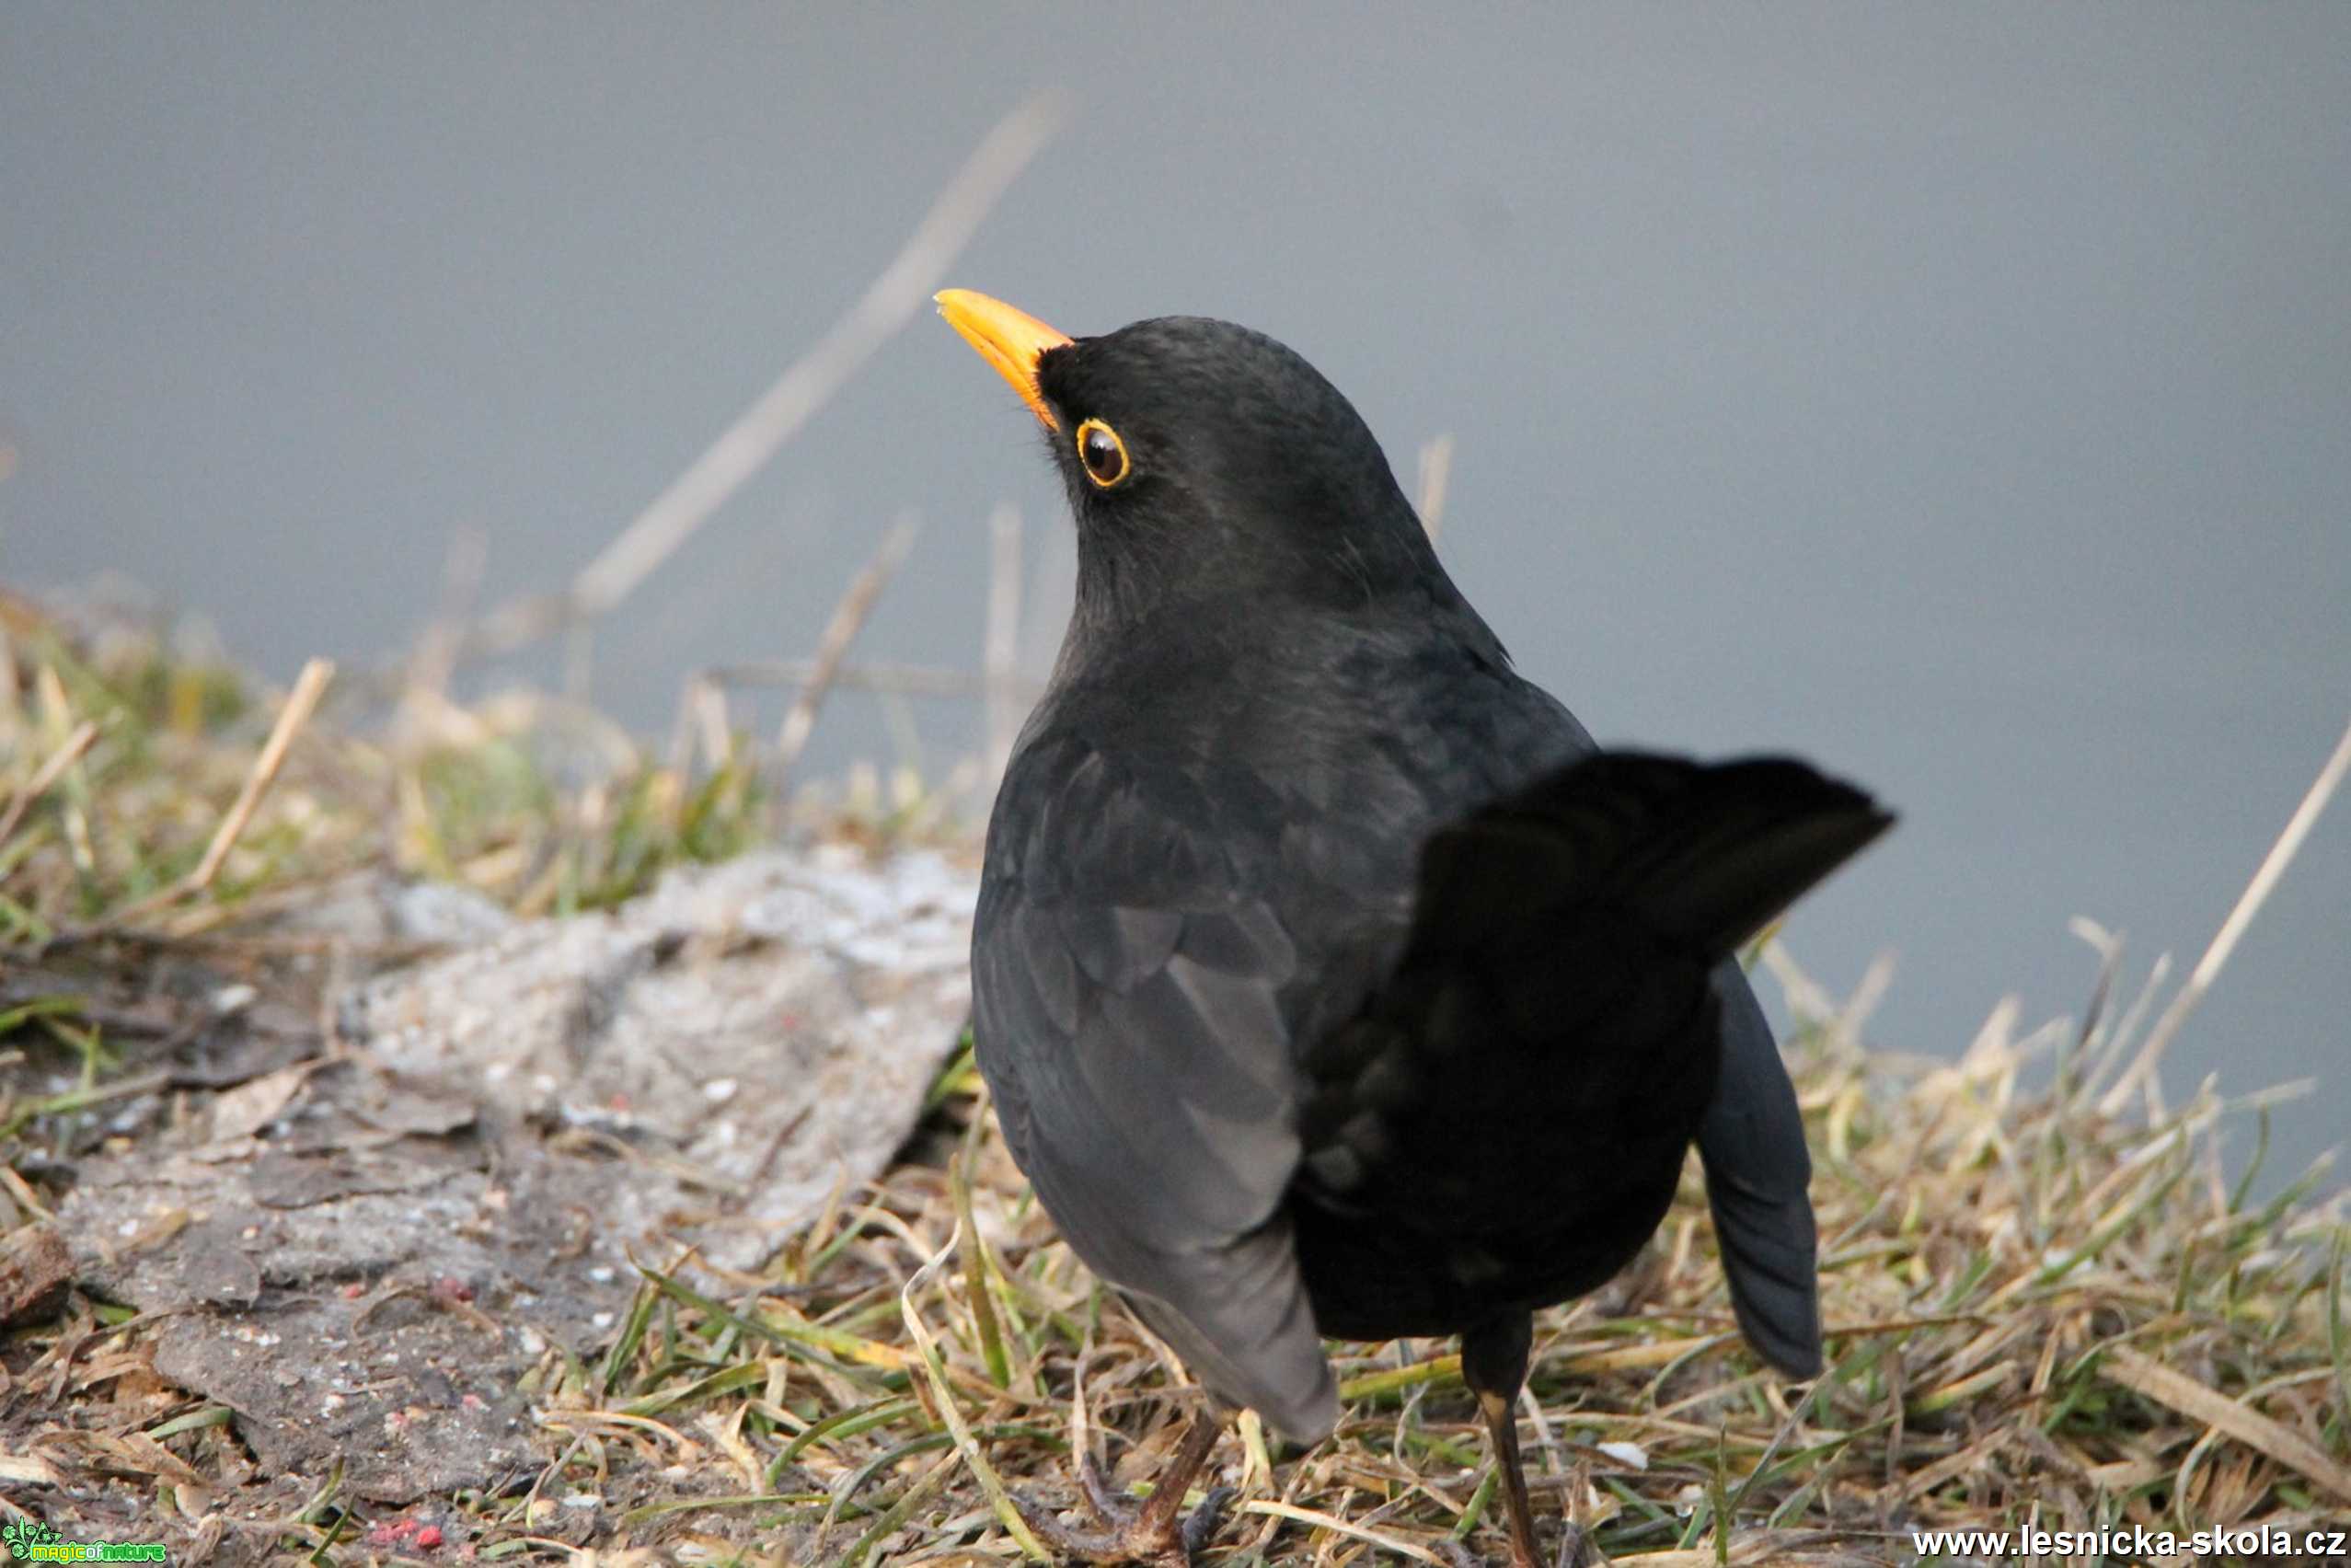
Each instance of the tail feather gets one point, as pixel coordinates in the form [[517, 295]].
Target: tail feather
[[1516, 1107], [1703, 854], [1757, 1172]]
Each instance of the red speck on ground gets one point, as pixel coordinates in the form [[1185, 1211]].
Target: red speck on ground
[[392, 1532]]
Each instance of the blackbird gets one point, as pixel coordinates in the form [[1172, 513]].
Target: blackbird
[[1328, 979]]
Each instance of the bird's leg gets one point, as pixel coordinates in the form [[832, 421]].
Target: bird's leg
[[1502, 1432], [1156, 1533], [1493, 1363], [1158, 1519]]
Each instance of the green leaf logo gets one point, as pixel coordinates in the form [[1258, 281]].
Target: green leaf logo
[[23, 1535]]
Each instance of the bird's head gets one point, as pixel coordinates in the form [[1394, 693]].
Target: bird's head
[[1204, 458]]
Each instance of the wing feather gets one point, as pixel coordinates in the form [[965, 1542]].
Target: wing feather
[[1129, 1019]]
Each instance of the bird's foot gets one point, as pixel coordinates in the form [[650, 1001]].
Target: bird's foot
[[1159, 1533], [1576, 1546], [1575, 1551]]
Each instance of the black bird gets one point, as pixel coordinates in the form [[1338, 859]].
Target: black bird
[[1328, 979]]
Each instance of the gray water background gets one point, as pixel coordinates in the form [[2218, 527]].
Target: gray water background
[[1959, 396]]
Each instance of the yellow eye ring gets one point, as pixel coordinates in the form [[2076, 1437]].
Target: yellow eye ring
[[1101, 453]]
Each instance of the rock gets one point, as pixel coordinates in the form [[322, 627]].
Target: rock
[[376, 915], [363, 1258], [751, 1034]]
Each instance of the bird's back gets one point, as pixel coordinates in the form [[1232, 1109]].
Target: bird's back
[[1318, 753]]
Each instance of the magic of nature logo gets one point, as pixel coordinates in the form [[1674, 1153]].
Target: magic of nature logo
[[30, 1540]]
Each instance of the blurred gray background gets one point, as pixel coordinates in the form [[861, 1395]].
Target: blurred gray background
[[1960, 396]]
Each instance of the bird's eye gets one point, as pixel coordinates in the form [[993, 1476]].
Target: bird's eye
[[1102, 453]]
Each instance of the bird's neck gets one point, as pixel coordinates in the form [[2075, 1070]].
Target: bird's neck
[[1135, 626], [1232, 573]]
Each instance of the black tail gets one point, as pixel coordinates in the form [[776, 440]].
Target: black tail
[[1512, 1110], [1703, 854]]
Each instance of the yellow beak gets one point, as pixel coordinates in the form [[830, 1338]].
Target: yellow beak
[[1007, 339]]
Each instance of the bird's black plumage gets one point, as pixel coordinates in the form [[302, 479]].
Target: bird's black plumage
[[1327, 978]]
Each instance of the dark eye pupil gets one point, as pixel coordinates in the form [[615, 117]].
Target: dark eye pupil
[[1101, 453]]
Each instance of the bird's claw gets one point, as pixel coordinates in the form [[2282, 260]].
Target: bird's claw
[[1577, 1549], [1158, 1538], [1202, 1522]]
